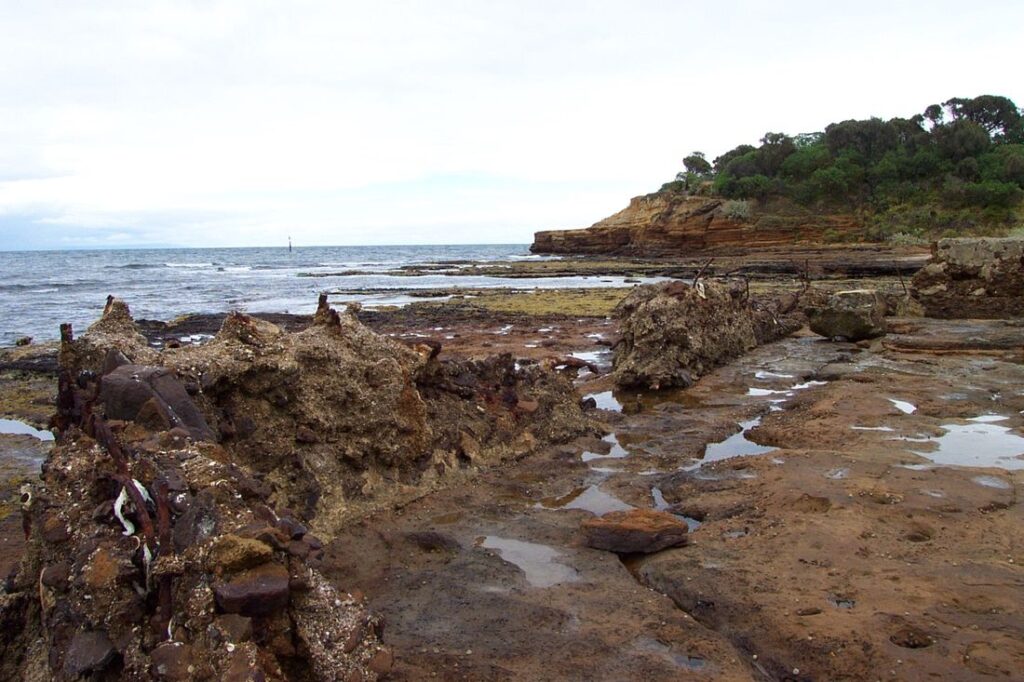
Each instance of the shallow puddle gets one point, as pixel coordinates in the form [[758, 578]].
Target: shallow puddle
[[762, 392], [537, 562], [903, 406], [764, 376], [980, 443], [736, 445], [590, 498], [605, 401], [616, 451], [992, 482], [17, 428], [601, 358], [661, 504]]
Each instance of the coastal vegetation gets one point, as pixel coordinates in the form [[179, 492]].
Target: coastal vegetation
[[956, 168]]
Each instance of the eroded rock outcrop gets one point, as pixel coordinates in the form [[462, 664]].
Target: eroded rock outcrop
[[670, 223], [673, 333], [973, 278], [850, 315]]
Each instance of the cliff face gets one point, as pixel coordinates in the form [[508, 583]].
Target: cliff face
[[673, 224]]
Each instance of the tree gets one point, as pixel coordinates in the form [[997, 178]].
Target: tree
[[775, 148], [696, 163], [999, 116]]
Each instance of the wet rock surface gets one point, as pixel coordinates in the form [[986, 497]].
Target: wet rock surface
[[973, 278], [830, 538], [674, 333], [849, 315]]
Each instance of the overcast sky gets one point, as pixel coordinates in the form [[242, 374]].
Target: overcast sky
[[241, 123]]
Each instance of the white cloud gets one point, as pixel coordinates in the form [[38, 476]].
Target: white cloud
[[234, 122]]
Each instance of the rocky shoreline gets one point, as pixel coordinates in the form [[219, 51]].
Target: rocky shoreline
[[470, 488]]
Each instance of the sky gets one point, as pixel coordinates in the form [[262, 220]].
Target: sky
[[241, 123]]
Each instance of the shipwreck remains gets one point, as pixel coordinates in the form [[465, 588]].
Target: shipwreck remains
[[178, 527]]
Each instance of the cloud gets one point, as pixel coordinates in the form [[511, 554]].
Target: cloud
[[236, 122]]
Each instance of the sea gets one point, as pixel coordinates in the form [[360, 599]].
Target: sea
[[39, 290]]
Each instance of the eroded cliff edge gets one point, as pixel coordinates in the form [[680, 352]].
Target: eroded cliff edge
[[669, 223]]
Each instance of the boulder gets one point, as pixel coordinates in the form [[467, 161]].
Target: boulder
[[260, 591], [851, 315], [634, 531], [90, 651], [154, 397], [973, 278], [673, 333]]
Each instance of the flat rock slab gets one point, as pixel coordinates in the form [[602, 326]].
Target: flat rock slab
[[635, 531], [259, 591]]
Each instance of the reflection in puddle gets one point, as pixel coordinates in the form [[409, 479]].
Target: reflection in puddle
[[837, 474], [761, 392], [992, 482], [17, 428], [903, 406], [661, 504], [537, 562], [680, 660], [808, 384], [762, 375], [736, 445], [597, 357], [616, 451], [873, 428], [605, 401], [590, 498], [980, 443]]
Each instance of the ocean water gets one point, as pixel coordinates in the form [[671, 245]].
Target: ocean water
[[41, 289]]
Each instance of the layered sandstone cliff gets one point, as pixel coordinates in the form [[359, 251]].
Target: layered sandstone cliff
[[665, 224]]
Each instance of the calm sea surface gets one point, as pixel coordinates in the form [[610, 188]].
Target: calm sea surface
[[41, 289]]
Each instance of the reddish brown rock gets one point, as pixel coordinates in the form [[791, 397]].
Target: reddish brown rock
[[172, 661], [634, 531], [672, 223], [257, 592]]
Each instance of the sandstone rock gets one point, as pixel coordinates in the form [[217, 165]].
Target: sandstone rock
[[230, 553], [850, 315], [637, 530], [670, 223], [259, 591], [89, 651], [973, 278], [674, 333]]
